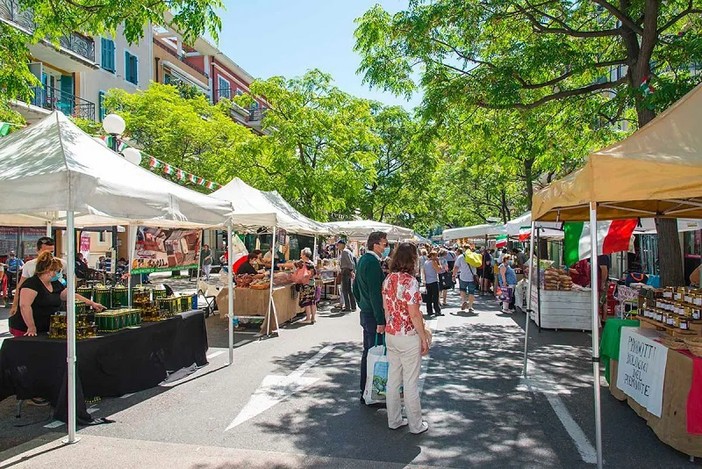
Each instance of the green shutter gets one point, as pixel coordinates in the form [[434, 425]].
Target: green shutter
[[101, 105], [107, 47]]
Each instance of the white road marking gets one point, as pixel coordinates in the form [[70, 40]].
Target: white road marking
[[541, 382], [127, 395], [215, 354], [276, 388], [54, 424]]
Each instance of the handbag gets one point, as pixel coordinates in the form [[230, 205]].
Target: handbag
[[377, 374], [446, 281], [301, 276]]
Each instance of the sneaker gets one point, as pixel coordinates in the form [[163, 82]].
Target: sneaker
[[422, 428], [404, 423], [439, 314]]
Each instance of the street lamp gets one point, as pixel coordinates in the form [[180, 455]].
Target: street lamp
[[132, 155], [113, 125]]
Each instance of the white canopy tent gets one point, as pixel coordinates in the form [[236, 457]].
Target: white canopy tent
[[546, 229], [54, 173], [359, 230], [256, 209], [476, 231]]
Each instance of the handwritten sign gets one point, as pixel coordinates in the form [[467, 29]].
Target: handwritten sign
[[641, 369]]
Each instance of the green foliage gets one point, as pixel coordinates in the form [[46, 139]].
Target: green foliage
[[189, 133], [55, 19]]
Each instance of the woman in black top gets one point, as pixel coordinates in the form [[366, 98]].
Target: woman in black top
[[40, 296]]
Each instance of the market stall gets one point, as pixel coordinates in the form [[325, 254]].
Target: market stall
[[52, 173], [255, 210], [656, 172], [358, 230]]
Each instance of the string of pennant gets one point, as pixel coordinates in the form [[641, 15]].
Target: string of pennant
[[155, 165]]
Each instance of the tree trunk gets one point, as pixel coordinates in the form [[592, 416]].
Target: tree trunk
[[669, 253]]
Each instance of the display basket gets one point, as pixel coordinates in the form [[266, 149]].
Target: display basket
[[694, 344], [674, 343]]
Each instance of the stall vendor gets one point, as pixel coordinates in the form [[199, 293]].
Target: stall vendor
[[580, 273], [40, 296], [249, 267]]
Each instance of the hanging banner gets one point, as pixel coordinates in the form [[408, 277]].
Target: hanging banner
[[85, 244], [641, 369], [164, 250]]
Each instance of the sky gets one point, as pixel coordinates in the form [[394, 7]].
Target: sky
[[284, 37]]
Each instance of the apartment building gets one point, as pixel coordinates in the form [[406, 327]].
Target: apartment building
[[120, 65], [58, 69]]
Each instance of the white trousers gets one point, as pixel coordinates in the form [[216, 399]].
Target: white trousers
[[405, 360]]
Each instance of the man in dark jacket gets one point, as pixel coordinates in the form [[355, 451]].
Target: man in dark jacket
[[368, 292]]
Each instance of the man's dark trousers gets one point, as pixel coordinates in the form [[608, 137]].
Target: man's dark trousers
[[370, 335], [347, 295]]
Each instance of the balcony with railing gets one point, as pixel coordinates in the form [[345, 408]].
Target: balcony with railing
[[74, 42], [54, 99], [170, 53]]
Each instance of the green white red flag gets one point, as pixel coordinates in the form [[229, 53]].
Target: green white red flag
[[612, 236], [501, 241], [524, 233]]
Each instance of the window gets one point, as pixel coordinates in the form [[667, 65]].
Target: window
[[239, 92], [223, 88], [131, 68], [101, 105], [102, 236], [107, 49]]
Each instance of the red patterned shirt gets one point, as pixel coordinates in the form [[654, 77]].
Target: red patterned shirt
[[399, 290]]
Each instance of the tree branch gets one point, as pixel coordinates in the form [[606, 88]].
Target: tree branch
[[534, 86], [555, 96], [620, 15], [687, 11], [539, 27]]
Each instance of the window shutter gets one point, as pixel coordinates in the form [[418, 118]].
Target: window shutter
[[101, 105], [127, 66], [135, 69], [111, 57]]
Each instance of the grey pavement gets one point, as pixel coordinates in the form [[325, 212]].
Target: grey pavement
[[292, 401]]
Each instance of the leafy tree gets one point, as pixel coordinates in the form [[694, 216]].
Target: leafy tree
[[54, 19], [521, 54], [189, 133], [318, 150]]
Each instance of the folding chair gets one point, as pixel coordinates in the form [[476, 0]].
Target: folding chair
[[209, 293]]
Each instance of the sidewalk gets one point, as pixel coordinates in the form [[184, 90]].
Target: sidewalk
[[98, 452]]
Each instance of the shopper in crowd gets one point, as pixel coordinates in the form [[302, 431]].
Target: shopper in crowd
[[40, 296], [44, 244], [432, 269], [443, 262], [367, 288], [206, 261], [507, 281], [488, 272], [450, 258], [466, 281], [407, 340], [603, 266], [310, 293], [14, 267], [82, 270], [347, 264], [3, 285], [422, 259]]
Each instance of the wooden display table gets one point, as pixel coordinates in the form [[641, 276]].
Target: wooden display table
[[563, 309], [251, 302]]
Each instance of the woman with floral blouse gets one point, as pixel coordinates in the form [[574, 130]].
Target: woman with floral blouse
[[406, 338]]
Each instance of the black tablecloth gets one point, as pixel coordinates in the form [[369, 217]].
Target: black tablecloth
[[110, 365]]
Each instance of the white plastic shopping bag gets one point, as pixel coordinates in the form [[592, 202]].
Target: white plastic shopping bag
[[377, 375]]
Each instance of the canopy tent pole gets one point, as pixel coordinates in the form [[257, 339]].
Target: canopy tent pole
[[314, 252], [230, 296], [71, 322], [131, 239], [538, 278], [595, 331], [271, 305], [48, 229], [528, 310]]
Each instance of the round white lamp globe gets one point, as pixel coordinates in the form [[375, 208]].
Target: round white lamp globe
[[132, 155], [113, 124]]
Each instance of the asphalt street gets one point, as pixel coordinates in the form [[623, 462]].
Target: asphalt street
[[292, 401]]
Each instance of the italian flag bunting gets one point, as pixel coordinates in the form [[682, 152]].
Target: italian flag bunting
[[192, 178], [180, 174], [168, 169], [646, 88], [524, 233], [612, 236], [501, 241], [4, 128]]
